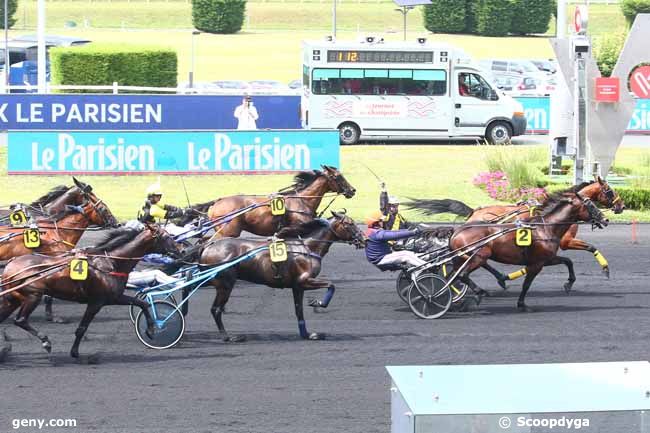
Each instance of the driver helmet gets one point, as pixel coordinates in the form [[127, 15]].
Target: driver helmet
[[392, 200], [374, 218], [154, 189]]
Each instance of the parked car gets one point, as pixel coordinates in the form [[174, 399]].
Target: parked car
[[232, 86], [512, 67], [547, 66], [54, 40], [295, 84], [269, 86], [519, 85]]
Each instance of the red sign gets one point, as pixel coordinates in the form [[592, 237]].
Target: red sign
[[640, 82], [580, 19], [608, 89]]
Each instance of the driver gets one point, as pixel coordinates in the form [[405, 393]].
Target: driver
[[154, 209], [378, 250], [389, 207]]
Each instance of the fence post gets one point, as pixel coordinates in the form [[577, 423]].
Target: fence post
[[115, 90]]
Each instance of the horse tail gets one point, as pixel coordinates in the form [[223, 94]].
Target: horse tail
[[432, 207]]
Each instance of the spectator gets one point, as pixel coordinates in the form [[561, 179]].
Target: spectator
[[247, 115]]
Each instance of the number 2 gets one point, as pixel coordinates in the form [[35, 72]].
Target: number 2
[[524, 237]]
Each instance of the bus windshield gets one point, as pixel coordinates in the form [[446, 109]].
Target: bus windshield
[[415, 82]]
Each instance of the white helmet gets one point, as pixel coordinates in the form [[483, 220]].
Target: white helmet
[[393, 200], [154, 189]]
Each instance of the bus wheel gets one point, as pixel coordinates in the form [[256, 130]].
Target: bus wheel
[[499, 133], [349, 133]]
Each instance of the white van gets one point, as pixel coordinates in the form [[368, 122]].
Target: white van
[[380, 90]]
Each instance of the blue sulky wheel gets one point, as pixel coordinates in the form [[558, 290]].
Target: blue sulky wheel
[[168, 330], [134, 309], [403, 284], [428, 298]]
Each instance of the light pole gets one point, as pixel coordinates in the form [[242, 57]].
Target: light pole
[[40, 38], [6, 77], [404, 10], [334, 18], [194, 33]]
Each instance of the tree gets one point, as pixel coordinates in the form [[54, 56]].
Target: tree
[[631, 8], [218, 16], [494, 17], [12, 5], [444, 16], [531, 16]]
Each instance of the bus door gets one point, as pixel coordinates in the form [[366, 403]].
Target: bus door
[[475, 103]]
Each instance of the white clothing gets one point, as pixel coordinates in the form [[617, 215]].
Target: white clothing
[[401, 258], [175, 230], [150, 277], [247, 116]]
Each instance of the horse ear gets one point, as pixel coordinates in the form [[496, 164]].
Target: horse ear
[[336, 214], [76, 182], [600, 180]]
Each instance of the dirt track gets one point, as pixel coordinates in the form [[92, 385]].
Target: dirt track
[[275, 382]]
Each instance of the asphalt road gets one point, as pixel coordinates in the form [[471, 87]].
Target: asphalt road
[[275, 382]]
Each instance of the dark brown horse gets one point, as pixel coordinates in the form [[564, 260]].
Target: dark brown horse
[[598, 191], [301, 201], [308, 244], [27, 278], [559, 213]]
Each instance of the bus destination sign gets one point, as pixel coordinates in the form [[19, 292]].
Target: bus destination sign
[[356, 56]]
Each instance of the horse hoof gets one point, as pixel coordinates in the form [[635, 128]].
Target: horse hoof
[[47, 346], [74, 353], [523, 308], [315, 336], [502, 284], [568, 286], [235, 339], [4, 352], [482, 293], [606, 272], [59, 320], [88, 359]]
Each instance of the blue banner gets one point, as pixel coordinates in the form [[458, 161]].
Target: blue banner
[[171, 152], [141, 112], [537, 110]]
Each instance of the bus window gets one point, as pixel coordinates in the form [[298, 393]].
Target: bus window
[[473, 85], [379, 82]]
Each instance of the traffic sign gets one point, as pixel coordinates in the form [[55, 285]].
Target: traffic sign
[[640, 81]]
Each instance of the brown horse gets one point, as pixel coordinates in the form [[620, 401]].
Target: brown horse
[[301, 201], [598, 191], [556, 216], [299, 271], [27, 278]]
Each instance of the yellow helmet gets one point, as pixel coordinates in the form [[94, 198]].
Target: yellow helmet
[[374, 218], [154, 189]]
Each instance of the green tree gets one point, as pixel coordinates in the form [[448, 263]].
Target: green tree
[[607, 50], [218, 16], [631, 8], [444, 16], [12, 5], [531, 16], [494, 17]]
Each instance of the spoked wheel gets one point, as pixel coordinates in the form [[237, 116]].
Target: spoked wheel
[[168, 329], [427, 298], [458, 288], [134, 309], [403, 285]]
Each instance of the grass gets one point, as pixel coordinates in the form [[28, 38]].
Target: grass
[[269, 47], [409, 171]]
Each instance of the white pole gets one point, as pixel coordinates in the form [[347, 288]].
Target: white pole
[[561, 24], [6, 59], [40, 34], [334, 19]]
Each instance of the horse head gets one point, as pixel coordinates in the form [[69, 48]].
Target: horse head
[[600, 192], [163, 242], [588, 211], [346, 229], [337, 183], [97, 211]]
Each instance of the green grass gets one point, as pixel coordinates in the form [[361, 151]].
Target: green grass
[[443, 171]]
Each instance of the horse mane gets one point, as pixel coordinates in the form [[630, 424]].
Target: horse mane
[[203, 207], [53, 194], [113, 239], [303, 229], [556, 199], [301, 181]]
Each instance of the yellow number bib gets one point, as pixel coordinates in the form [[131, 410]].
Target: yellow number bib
[[277, 206], [79, 269], [31, 238], [278, 251], [524, 237], [18, 218]]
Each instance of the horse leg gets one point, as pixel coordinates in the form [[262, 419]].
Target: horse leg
[[224, 289], [185, 308], [500, 276], [89, 315], [144, 306], [298, 295], [8, 305], [318, 283], [29, 303], [47, 300], [559, 260], [580, 245], [533, 270]]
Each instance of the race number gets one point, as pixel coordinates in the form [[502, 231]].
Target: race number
[[524, 237], [278, 251], [277, 206], [18, 218], [79, 269], [31, 238]]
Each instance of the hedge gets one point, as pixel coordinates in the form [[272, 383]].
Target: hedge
[[97, 64], [471, 10], [218, 16], [444, 16], [634, 198], [607, 51], [531, 16], [631, 8], [12, 6], [494, 17]]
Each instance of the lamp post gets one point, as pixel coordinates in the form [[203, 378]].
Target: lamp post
[[404, 10], [194, 33], [6, 59], [334, 18], [40, 42]]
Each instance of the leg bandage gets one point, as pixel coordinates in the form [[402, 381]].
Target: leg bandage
[[517, 274], [602, 261]]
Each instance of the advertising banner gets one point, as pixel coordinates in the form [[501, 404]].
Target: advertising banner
[[215, 152], [81, 112]]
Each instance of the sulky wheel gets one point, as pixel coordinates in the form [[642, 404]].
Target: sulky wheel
[[168, 330], [458, 288], [134, 309], [403, 285], [428, 297]]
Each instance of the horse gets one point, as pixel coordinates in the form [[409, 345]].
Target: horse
[[310, 242], [556, 216], [52, 202], [27, 278], [301, 200], [598, 191]]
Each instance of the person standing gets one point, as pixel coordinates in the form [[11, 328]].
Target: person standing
[[246, 114]]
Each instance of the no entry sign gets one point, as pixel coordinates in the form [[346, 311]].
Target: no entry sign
[[608, 89], [640, 81]]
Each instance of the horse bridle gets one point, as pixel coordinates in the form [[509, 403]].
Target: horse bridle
[[337, 179], [102, 211], [610, 195], [595, 215], [354, 240]]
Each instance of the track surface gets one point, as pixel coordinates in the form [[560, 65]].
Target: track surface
[[275, 382]]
